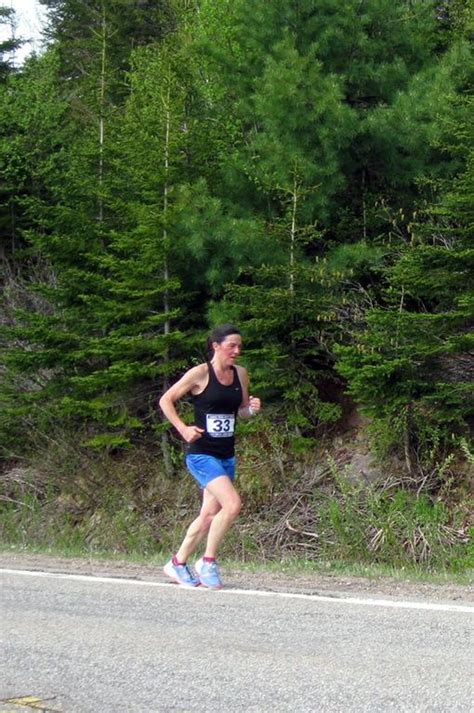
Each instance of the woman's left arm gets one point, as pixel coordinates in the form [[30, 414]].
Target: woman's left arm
[[250, 404]]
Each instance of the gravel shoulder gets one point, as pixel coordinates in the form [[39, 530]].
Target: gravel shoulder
[[314, 583]]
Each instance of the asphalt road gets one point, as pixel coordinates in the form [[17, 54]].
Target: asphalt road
[[84, 644]]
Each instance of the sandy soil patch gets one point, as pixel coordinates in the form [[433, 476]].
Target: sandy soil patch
[[314, 583]]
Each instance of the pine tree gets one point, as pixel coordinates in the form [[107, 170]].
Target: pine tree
[[78, 28], [330, 149], [10, 122], [71, 365], [293, 160], [411, 367], [8, 46]]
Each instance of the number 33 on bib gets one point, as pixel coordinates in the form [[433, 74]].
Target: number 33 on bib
[[220, 425]]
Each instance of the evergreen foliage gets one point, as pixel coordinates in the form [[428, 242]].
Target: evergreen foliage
[[10, 45], [412, 364], [304, 169]]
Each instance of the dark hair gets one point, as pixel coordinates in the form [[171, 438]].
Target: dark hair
[[218, 335]]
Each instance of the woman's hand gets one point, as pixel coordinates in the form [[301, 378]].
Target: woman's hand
[[191, 433], [254, 404], [253, 407]]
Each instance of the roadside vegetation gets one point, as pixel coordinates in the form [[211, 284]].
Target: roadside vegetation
[[301, 511]]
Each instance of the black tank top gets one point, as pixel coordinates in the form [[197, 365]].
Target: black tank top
[[215, 410]]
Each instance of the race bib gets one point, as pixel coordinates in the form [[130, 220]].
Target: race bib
[[220, 425]]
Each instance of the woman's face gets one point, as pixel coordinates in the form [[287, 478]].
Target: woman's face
[[229, 349]]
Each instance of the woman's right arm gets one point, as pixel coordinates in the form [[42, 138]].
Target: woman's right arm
[[188, 381]]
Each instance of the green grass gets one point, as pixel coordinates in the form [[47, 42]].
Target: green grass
[[340, 519], [129, 510], [298, 567]]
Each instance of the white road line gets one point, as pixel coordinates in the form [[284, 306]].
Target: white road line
[[391, 603]]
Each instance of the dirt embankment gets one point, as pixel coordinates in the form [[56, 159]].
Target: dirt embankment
[[314, 583]]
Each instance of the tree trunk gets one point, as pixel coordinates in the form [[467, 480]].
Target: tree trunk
[[294, 203], [102, 83], [165, 445]]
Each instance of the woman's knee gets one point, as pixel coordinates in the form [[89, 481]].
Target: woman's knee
[[234, 506], [226, 495], [207, 515], [206, 521]]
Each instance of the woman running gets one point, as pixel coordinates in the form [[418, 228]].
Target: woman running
[[220, 391]]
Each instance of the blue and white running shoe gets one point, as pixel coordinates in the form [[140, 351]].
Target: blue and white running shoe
[[209, 575], [181, 574]]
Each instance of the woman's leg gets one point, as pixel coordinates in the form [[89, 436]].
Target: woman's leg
[[223, 493], [199, 528]]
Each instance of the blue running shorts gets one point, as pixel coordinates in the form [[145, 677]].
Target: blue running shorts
[[206, 468]]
